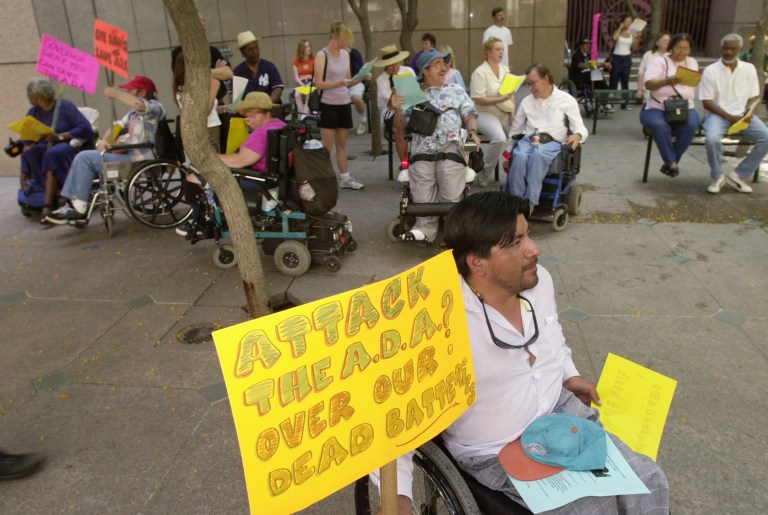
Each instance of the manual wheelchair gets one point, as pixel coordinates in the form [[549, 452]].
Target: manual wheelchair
[[150, 190], [440, 487], [287, 230]]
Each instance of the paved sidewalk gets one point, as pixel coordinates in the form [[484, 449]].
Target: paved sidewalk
[[133, 421]]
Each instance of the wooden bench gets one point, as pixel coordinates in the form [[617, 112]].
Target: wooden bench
[[613, 97], [734, 140]]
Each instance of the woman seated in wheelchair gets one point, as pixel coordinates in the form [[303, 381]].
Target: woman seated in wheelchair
[[139, 126], [256, 107], [438, 170]]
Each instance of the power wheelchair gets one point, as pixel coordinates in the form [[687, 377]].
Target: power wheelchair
[[288, 231], [560, 197]]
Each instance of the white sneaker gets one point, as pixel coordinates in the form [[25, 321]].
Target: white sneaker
[[738, 184], [717, 185], [481, 180], [350, 184], [361, 129]]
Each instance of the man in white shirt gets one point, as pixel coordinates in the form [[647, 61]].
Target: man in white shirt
[[498, 30], [390, 59], [543, 114], [523, 366], [727, 89]]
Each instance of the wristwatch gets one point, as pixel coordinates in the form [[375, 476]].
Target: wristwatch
[[61, 137]]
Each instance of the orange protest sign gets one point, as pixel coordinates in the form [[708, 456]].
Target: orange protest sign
[[110, 47], [328, 391]]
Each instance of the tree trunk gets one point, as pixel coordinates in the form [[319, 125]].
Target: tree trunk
[[657, 8], [194, 109], [408, 11], [360, 8]]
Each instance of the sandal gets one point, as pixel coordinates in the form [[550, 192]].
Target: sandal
[[670, 172]]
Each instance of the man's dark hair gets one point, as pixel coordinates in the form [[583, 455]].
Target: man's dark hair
[[542, 70], [429, 37], [677, 38], [496, 11], [480, 222]]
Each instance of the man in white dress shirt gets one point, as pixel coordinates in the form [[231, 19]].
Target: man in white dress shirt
[[498, 30], [523, 366], [543, 113]]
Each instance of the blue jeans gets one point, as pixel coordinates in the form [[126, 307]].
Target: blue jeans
[[529, 167], [715, 128], [85, 169], [671, 151]]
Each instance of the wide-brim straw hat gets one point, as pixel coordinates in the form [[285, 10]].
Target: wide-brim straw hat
[[255, 100], [390, 55], [246, 38]]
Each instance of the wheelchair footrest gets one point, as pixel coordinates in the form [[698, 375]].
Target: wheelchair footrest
[[427, 209]]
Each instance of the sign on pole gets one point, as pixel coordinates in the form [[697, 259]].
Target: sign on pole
[[67, 65], [326, 392], [110, 46]]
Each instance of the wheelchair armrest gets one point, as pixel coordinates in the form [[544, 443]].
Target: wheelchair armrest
[[249, 173], [129, 146]]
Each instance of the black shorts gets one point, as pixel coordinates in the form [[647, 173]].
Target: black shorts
[[335, 116]]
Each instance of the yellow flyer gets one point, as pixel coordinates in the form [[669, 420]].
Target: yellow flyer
[[329, 391], [30, 129], [636, 402], [306, 90], [511, 83], [688, 76], [743, 122]]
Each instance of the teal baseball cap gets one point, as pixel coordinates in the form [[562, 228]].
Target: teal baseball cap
[[553, 443]]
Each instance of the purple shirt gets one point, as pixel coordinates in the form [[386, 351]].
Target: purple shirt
[[265, 80], [257, 142]]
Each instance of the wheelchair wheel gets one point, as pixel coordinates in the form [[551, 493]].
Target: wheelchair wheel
[[108, 215], [333, 264], [155, 196], [398, 227], [559, 219], [224, 256], [438, 487], [574, 200], [569, 87], [293, 258]]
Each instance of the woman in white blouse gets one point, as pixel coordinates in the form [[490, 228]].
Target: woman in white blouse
[[495, 111], [662, 84]]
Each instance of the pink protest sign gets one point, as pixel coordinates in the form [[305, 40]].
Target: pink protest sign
[[66, 64], [110, 46], [595, 36]]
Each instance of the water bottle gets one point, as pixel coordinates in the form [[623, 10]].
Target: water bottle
[[535, 138], [306, 192]]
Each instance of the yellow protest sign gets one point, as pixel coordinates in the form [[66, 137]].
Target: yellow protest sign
[[324, 393], [636, 402]]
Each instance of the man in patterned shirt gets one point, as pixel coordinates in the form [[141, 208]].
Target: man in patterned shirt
[[437, 171]]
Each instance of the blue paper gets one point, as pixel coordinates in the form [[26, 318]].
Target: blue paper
[[567, 486]]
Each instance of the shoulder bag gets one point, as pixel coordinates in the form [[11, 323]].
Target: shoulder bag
[[315, 95], [675, 108]]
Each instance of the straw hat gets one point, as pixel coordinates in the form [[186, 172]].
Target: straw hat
[[246, 38], [255, 100], [390, 55]]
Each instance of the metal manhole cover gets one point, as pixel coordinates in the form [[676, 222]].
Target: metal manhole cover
[[197, 333]]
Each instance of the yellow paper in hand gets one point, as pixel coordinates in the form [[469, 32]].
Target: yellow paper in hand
[[688, 76], [238, 133], [743, 123], [511, 83], [306, 90], [30, 128], [636, 402]]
